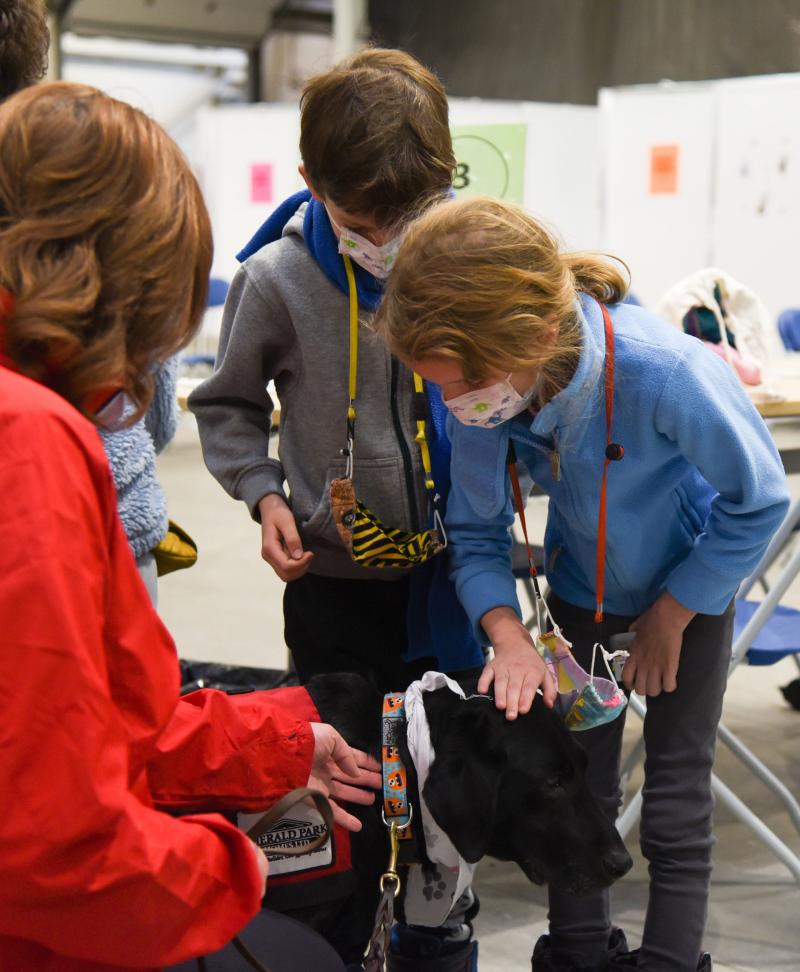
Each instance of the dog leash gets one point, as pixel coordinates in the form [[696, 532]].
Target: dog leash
[[397, 813], [262, 826]]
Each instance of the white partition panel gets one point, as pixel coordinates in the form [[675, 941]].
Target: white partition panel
[[247, 161], [552, 169], [756, 227], [658, 166]]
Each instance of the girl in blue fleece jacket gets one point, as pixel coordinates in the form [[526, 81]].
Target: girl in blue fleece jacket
[[532, 348]]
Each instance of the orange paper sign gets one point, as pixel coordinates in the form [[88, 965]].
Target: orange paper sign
[[663, 169]]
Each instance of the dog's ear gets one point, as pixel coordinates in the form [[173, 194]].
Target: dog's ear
[[461, 790]]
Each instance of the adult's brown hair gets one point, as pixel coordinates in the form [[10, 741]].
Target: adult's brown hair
[[105, 241], [24, 42], [375, 136]]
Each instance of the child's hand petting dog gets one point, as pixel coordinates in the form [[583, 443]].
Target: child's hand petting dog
[[342, 773], [517, 668]]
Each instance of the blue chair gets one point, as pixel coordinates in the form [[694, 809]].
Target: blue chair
[[217, 291], [789, 329]]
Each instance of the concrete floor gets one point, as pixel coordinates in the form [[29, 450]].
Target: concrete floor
[[228, 608]]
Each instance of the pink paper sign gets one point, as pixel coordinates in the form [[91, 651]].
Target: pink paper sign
[[261, 182]]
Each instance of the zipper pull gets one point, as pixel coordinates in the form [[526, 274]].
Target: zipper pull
[[555, 465]]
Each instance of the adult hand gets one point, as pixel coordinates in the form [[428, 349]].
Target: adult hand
[[342, 774], [656, 649], [280, 541], [263, 864], [517, 669]]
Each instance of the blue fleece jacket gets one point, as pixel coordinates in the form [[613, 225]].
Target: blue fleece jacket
[[691, 506]]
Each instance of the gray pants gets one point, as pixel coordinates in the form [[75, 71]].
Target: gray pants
[[676, 826]]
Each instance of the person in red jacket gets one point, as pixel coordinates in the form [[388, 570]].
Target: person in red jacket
[[105, 250]]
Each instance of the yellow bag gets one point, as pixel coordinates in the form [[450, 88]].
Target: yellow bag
[[176, 551]]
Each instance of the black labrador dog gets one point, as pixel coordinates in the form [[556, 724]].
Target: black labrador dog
[[513, 790]]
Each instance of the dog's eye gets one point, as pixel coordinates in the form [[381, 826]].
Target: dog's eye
[[555, 782]]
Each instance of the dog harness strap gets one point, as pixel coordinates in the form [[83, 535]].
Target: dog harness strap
[[396, 805], [278, 812]]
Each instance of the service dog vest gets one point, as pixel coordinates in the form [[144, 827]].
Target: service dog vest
[[324, 875]]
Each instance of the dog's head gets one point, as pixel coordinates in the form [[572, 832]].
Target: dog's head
[[517, 791]]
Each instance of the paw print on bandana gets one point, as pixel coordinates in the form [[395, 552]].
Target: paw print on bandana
[[435, 887], [481, 406]]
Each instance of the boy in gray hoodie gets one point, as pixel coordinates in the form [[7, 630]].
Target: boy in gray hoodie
[[376, 147]]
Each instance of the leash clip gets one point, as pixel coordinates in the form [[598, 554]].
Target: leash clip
[[390, 874]]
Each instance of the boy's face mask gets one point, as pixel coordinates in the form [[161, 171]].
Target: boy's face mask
[[490, 406], [377, 260], [584, 700]]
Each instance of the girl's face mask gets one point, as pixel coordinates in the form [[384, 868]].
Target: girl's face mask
[[584, 700], [492, 405]]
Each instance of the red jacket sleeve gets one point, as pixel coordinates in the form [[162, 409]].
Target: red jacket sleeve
[[265, 751], [88, 868]]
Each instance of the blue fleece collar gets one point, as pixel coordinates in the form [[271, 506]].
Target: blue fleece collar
[[570, 404], [322, 245]]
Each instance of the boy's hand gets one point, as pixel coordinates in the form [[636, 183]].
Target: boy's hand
[[280, 541], [656, 649]]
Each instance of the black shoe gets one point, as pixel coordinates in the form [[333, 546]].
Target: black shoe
[[417, 949], [627, 961], [543, 959]]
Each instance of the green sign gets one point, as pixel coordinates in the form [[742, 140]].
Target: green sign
[[490, 160]]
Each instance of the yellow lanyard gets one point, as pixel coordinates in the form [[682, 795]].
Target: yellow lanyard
[[421, 437]]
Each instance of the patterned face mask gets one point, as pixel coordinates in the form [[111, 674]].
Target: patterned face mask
[[370, 543], [491, 405], [584, 700]]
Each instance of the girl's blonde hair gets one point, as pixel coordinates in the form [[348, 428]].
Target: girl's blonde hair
[[105, 242], [481, 282]]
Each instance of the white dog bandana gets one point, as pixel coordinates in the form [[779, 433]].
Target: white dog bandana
[[431, 892]]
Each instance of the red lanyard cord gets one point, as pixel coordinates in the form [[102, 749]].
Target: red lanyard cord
[[613, 453]]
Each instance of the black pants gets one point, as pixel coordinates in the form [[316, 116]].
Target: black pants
[[676, 833], [337, 625], [279, 943]]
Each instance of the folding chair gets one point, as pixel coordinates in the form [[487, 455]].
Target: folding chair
[[764, 633], [789, 329]]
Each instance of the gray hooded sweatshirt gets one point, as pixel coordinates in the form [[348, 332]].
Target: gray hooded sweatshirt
[[285, 321]]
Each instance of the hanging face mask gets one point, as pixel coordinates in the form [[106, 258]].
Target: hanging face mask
[[377, 260], [372, 544], [492, 405], [368, 541], [584, 700], [112, 416]]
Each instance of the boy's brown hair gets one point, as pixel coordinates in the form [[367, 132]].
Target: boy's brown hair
[[375, 136], [24, 42], [105, 242]]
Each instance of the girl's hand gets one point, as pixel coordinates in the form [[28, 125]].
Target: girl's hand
[[342, 773], [280, 541], [656, 649], [517, 670]]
